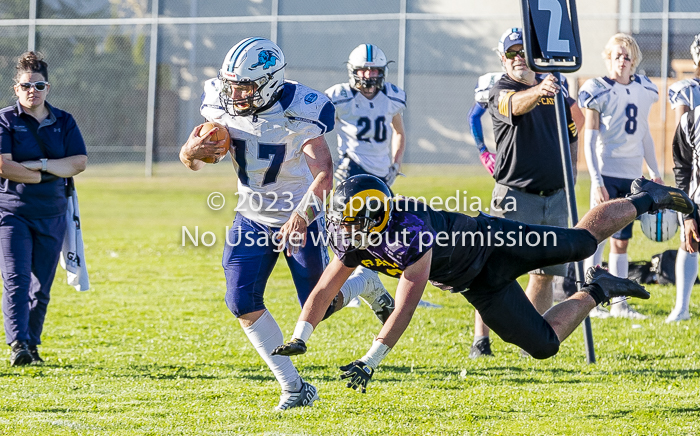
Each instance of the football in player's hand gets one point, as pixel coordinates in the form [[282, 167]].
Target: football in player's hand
[[220, 134]]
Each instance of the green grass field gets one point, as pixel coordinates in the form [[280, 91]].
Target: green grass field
[[152, 348]]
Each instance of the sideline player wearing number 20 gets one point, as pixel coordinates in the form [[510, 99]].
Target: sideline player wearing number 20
[[284, 170]]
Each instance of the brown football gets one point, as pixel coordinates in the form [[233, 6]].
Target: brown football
[[220, 134]]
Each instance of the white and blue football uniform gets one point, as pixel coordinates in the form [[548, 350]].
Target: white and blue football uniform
[[267, 149], [365, 125], [624, 140], [273, 176], [685, 93]]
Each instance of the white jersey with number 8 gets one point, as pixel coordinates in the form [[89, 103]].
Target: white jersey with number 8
[[624, 115]]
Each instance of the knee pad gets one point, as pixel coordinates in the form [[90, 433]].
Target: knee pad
[[545, 350], [240, 305], [585, 243]]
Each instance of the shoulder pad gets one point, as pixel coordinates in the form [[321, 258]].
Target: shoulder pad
[[211, 105], [301, 103], [646, 83], [340, 93], [591, 90], [483, 86], [395, 94], [679, 94]]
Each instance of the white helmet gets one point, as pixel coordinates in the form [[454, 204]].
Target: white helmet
[[367, 56], [659, 226], [695, 49], [258, 63]]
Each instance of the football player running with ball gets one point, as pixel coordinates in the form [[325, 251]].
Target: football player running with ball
[[617, 139], [284, 169], [414, 243], [684, 96]]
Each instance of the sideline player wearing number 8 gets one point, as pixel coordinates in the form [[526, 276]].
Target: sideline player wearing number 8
[[617, 138], [284, 168]]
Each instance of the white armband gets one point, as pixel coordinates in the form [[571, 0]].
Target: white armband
[[303, 331], [590, 138], [309, 208], [376, 354]]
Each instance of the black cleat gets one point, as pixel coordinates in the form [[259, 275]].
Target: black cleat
[[481, 348], [20, 355], [383, 307], [614, 286], [291, 348], [664, 197], [34, 352]]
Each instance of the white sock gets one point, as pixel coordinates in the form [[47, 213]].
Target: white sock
[[596, 259], [265, 335], [353, 286], [686, 272], [619, 267]]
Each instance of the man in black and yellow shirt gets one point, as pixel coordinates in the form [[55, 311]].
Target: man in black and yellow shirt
[[529, 175]]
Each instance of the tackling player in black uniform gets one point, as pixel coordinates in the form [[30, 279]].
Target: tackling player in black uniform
[[480, 258]]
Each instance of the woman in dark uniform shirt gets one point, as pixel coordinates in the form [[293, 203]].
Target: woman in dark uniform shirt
[[40, 146]]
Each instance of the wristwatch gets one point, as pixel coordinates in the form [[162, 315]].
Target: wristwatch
[[43, 164]]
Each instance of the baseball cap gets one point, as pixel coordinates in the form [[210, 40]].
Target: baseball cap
[[511, 37]]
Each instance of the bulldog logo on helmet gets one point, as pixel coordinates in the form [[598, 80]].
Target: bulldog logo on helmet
[[266, 58]]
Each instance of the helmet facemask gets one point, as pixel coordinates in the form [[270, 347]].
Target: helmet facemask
[[252, 91], [358, 82], [358, 229]]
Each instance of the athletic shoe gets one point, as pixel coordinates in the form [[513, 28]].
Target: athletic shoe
[[623, 310], [355, 302], [614, 286], [664, 197], [599, 312], [481, 348], [378, 298], [305, 397], [20, 354], [34, 352], [678, 316]]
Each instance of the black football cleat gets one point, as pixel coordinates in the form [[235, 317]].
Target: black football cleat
[[614, 286], [291, 348], [481, 348], [664, 197], [34, 352], [20, 355]]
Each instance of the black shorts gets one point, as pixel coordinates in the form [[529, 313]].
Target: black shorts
[[498, 297], [619, 188]]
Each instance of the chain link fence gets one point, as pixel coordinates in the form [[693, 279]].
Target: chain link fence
[[133, 105]]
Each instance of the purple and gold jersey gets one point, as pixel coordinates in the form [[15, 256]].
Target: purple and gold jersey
[[414, 228]]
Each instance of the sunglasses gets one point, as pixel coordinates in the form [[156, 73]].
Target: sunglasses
[[39, 86], [513, 54]]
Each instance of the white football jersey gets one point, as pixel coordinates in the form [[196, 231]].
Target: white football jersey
[[267, 149], [485, 83], [624, 122], [365, 125], [685, 93], [483, 86]]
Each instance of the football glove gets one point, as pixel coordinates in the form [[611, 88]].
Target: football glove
[[393, 173], [488, 160], [358, 373], [291, 348]]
